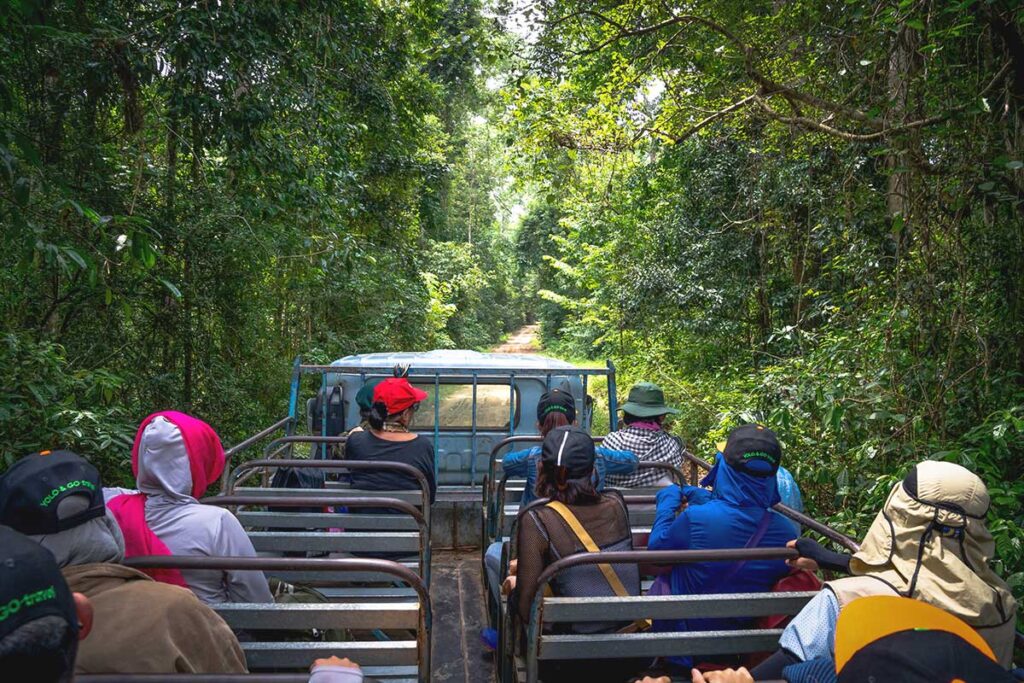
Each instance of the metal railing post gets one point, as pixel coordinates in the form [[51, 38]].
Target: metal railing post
[[613, 399], [293, 397]]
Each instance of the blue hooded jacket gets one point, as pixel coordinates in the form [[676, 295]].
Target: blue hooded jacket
[[725, 517]]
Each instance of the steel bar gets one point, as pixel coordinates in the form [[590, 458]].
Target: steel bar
[[489, 373], [270, 564]]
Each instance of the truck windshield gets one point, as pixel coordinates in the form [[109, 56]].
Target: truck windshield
[[456, 410]]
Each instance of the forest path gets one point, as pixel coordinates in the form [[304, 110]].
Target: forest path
[[524, 340]]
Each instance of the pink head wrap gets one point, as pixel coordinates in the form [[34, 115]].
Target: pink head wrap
[[206, 462]]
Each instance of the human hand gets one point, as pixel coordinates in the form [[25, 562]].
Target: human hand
[[671, 496], [508, 585], [801, 562], [513, 565], [740, 675], [334, 661]]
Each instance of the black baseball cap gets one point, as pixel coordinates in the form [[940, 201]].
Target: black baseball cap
[[753, 449], [32, 489], [569, 447], [556, 401], [31, 585]]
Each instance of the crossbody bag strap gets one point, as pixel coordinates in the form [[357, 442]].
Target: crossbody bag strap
[[726, 576], [609, 574]]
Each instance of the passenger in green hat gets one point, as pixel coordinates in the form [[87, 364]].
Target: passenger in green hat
[[644, 414], [364, 399]]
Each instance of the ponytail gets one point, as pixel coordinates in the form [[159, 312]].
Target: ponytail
[[377, 415], [553, 482]]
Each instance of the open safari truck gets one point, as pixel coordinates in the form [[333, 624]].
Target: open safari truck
[[371, 553]]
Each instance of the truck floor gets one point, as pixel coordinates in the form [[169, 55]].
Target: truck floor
[[456, 594]]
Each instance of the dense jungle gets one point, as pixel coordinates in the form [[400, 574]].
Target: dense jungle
[[806, 213]]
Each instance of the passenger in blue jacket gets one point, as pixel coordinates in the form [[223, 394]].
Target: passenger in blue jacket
[[556, 409], [734, 514]]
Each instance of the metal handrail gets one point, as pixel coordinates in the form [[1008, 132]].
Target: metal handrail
[[799, 517], [499, 495], [402, 467], [329, 501], [271, 564], [670, 557], [248, 443], [414, 370], [314, 438], [786, 511]]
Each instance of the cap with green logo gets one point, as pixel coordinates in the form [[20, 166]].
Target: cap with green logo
[[31, 585], [754, 449], [32, 490]]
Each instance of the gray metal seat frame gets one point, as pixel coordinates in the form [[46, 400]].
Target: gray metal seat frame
[[377, 659], [548, 610], [347, 541]]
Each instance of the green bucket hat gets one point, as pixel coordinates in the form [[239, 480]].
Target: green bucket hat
[[646, 399], [364, 397]]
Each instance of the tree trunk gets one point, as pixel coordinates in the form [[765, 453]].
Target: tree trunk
[[903, 66]]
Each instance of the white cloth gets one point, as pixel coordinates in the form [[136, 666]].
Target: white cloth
[[188, 527], [812, 633], [335, 674]]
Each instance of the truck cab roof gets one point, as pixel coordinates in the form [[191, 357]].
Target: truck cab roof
[[454, 359]]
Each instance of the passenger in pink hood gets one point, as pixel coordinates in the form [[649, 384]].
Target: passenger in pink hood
[[174, 459]]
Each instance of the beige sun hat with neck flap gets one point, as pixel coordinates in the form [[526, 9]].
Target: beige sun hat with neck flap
[[930, 542]]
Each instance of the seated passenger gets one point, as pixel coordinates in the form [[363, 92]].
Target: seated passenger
[[364, 399], [42, 620], [929, 542], [556, 408], [174, 459], [899, 640], [789, 491], [736, 513], [140, 625], [394, 404], [644, 413], [576, 519]]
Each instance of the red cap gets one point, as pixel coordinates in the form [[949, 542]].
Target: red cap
[[397, 394]]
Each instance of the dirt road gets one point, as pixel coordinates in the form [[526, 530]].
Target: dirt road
[[523, 340]]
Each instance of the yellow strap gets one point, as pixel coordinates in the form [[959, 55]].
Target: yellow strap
[[588, 543]]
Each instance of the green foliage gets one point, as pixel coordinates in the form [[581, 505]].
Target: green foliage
[[805, 214], [45, 404], [191, 196]]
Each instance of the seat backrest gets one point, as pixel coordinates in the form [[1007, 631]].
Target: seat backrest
[[550, 611], [395, 528], [280, 636]]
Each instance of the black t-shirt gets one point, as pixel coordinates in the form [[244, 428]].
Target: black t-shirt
[[418, 452]]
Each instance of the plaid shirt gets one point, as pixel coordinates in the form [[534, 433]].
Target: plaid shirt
[[649, 446]]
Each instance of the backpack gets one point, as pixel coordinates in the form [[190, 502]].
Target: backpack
[[596, 580], [286, 593], [296, 478]]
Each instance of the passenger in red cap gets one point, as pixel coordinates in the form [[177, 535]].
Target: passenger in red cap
[[388, 439]]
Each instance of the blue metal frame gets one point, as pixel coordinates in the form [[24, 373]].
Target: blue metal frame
[[613, 401], [293, 399], [436, 373]]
